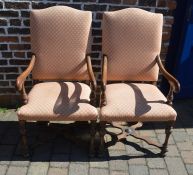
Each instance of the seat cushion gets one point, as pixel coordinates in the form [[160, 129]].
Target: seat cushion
[[136, 102], [53, 101]]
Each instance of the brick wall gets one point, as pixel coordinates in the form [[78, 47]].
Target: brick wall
[[15, 34]]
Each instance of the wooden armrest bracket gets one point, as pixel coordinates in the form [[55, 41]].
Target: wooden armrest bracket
[[174, 84], [104, 73], [21, 79], [104, 80], [91, 73], [92, 80]]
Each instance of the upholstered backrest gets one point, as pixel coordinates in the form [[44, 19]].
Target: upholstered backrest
[[131, 40], [59, 38]]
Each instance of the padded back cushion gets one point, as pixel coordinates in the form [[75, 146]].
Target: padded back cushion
[[131, 40], [59, 38]]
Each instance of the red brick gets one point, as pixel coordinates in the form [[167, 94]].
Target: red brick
[[167, 29], [19, 54], [171, 4], [9, 13], [8, 39], [96, 47], [161, 3], [2, 31], [130, 2], [11, 76], [17, 5], [3, 46], [3, 22], [20, 46], [96, 32], [8, 69], [95, 7], [84, 0], [166, 36], [110, 1], [147, 2], [4, 83], [15, 22], [3, 62], [18, 31], [18, 62], [169, 20], [6, 54], [25, 39], [99, 15], [41, 5]]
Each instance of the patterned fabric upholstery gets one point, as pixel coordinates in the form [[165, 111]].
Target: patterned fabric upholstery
[[136, 102], [59, 38], [132, 40], [64, 101]]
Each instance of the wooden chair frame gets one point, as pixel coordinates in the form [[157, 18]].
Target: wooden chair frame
[[174, 88], [20, 84]]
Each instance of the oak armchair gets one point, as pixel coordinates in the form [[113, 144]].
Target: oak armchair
[[59, 39], [131, 47]]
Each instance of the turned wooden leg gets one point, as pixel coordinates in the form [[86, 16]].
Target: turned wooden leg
[[92, 139], [102, 132], [168, 131], [24, 145]]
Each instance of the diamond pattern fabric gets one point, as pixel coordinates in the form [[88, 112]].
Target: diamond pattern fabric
[[132, 40], [136, 102], [66, 101], [59, 38]]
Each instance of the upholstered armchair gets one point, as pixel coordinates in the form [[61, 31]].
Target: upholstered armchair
[[131, 47], [60, 66]]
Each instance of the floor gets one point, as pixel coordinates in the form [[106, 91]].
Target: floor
[[59, 156]]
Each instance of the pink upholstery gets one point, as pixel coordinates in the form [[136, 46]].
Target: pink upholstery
[[132, 40], [52, 101], [59, 37], [136, 102]]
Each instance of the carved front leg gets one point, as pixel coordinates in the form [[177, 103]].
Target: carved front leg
[[24, 145], [92, 139], [168, 131], [102, 133]]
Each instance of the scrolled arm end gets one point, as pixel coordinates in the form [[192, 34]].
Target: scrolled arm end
[[176, 86], [19, 82]]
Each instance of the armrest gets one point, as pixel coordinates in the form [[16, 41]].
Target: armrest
[[174, 84], [92, 80], [21, 78], [104, 73], [104, 81], [91, 73]]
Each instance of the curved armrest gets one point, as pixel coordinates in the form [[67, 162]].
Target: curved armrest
[[174, 84], [91, 73], [21, 78], [104, 73], [92, 80], [104, 81]]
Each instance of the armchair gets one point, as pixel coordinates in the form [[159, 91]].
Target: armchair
[[59, 39], [131, 48]]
